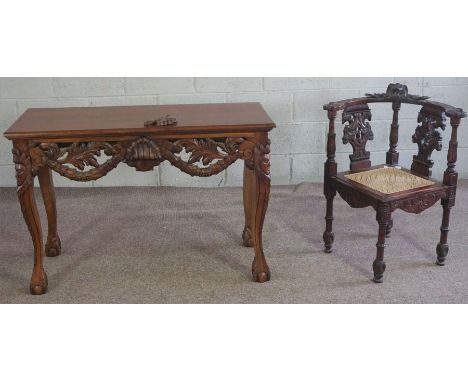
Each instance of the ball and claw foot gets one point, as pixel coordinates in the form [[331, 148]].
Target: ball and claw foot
[[442, 251], [260, 277], [379, 269], [328, 238], [39, 286], [247, 238], [53, 247]]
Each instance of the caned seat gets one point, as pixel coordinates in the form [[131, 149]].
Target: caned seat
[[388, 187], [389, 180]]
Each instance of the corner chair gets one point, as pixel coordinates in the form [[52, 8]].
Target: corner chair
[[388, 186]]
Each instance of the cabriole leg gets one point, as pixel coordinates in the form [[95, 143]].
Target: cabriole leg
[[53, 245], [260, 270], [25, 190], [249, 178]]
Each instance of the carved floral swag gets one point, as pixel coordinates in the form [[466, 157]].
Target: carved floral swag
[[204, 157]]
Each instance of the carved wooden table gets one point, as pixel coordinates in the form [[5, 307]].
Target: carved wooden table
[[200, 140]]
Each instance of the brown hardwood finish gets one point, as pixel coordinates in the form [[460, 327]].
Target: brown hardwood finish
[[25, 191], [200, 140], [53, 245], [249, 178], [131, 120], [357, 131], [261, 163]]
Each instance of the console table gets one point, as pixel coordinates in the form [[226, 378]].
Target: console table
[[200, 140]]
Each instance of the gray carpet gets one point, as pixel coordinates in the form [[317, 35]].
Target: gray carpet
[[176, 245]]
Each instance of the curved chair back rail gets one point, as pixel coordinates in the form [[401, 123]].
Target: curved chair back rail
[[397, 93]]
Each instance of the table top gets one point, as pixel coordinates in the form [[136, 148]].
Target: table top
[[130, 120]]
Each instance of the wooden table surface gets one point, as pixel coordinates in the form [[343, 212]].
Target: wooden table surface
[[115, 120]]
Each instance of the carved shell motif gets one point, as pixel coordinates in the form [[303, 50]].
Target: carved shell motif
[[144, 153]]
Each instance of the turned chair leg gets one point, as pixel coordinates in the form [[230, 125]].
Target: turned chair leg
[[249, 178], [328, 235], [383, 218], [25, 191], [388, 231], [53, 245], [443, 248], [260, 270]]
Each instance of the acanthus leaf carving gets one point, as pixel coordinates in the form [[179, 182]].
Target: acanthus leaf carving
[[61, 157], [204, 150], [81, 155], [23, 166], [217, 155], [262, 161], [142, 153]]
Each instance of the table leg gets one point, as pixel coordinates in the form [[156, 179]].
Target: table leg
[[249, 178], [53, 245], [25, 191], [260, 270]]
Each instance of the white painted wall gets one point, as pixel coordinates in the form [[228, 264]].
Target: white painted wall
[[295, 104]]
